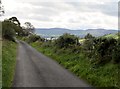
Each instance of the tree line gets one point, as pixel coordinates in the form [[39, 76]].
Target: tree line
[[12, 27]]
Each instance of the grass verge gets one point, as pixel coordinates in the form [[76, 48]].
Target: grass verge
[[0, 64], [8, 62], [79, 64]]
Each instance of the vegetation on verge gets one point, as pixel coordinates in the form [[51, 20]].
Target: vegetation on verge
[[96, 60], [0, 64], [11, 29], [8, 62]]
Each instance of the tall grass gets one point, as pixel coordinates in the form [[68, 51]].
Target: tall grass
[[0, 63], [8, 62], [79, 64]]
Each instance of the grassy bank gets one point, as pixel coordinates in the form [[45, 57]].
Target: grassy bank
[[0, 63], [79, 64], [9, 51]]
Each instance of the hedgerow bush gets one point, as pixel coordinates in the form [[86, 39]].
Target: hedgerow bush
[[116, 52], [8, 31], [34, 38], [103, 49], [66, 41]]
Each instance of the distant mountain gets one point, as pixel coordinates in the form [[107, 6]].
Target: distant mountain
[[56, 32]]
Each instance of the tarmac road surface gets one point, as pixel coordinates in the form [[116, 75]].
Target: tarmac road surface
[[33, 69]]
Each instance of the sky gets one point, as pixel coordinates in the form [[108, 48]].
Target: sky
[[72, 14]]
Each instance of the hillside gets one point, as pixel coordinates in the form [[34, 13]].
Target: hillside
[[55, 32], [111, 36]]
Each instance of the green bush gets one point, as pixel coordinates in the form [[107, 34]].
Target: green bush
[[88, 45], [116, 53], [89, 36], [8, 31], [34, 38], [103, 49], [66, 41], [47, 44]]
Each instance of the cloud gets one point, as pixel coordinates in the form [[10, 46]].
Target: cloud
[[73, 14], [109, 8]]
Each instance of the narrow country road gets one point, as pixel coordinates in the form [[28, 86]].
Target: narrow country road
[[33, 69]]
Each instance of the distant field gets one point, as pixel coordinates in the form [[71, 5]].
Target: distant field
[[81, 40], [115, 36]]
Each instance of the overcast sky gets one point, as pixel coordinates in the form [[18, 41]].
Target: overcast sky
[[73, 14]]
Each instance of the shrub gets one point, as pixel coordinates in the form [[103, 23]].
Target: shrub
[[88, 45], [88, 36], [116, 53], [103, 49], [66, 41], [47, 44], [34, 38], [8, 31]]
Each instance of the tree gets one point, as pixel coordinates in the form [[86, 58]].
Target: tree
[[29, 27], [15, 20], [18, 29], [2, 11], [8, 31], [11, 29]]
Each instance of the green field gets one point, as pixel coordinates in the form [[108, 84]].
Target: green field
[[8, 62], [99, 76], [115, 36]]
